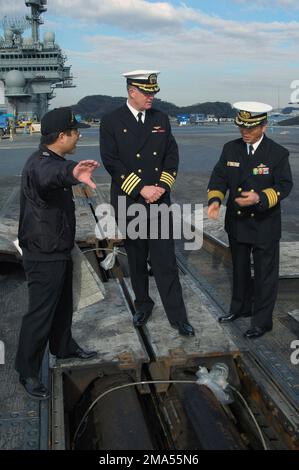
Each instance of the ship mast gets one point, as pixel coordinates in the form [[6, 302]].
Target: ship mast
[[37, 8]]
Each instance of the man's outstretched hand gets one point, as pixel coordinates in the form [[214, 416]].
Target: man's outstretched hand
[[83, 171]]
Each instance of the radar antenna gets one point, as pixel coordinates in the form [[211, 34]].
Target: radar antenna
[[16, 24]]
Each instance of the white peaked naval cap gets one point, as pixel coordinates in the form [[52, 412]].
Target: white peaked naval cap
[[140, 74], [252, 106], [144, 80], [251, 113]]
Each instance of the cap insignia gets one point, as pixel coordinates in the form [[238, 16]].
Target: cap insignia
[[245, 114], [152, 79]]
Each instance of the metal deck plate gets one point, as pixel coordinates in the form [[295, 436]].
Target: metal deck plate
[[19, 415], [85, 221], [209, 340], [9, 219], [84, 196], [106, 327], [87, 286], [19, 432]]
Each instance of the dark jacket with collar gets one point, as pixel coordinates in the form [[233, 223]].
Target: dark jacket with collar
[[137, 157], [47, 218], [267, 173]]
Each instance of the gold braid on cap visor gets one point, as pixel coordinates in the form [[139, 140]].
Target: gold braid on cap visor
[[250, 122], [146, 87]]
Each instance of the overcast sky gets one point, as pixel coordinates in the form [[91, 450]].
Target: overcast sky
[[206, 50]]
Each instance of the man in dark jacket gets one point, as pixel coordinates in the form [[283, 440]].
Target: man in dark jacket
[[257, 173], [46, 235], [141, 155]]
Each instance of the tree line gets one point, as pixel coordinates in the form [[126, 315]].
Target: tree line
[[95, 106]]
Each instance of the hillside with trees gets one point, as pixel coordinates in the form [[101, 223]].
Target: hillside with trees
[[95, 106]]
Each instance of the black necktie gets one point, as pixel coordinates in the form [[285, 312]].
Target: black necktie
[[140, 122], [251, 150]]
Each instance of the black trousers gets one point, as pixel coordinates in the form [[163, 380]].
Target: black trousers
[[49, 316], [260, 300], [163, 262]]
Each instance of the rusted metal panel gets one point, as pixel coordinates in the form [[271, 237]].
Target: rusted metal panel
[[280, 414]]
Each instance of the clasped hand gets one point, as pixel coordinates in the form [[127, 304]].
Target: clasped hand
[[152, 193], [249, 198]]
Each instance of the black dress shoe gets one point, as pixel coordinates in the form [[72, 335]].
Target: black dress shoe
[[34, 388], [255, 332], [184, 328], [79, 354], [140, 318], [228, 318], [233, 317]]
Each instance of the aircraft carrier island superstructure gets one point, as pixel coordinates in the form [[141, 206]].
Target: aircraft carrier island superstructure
[[30, 68]]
